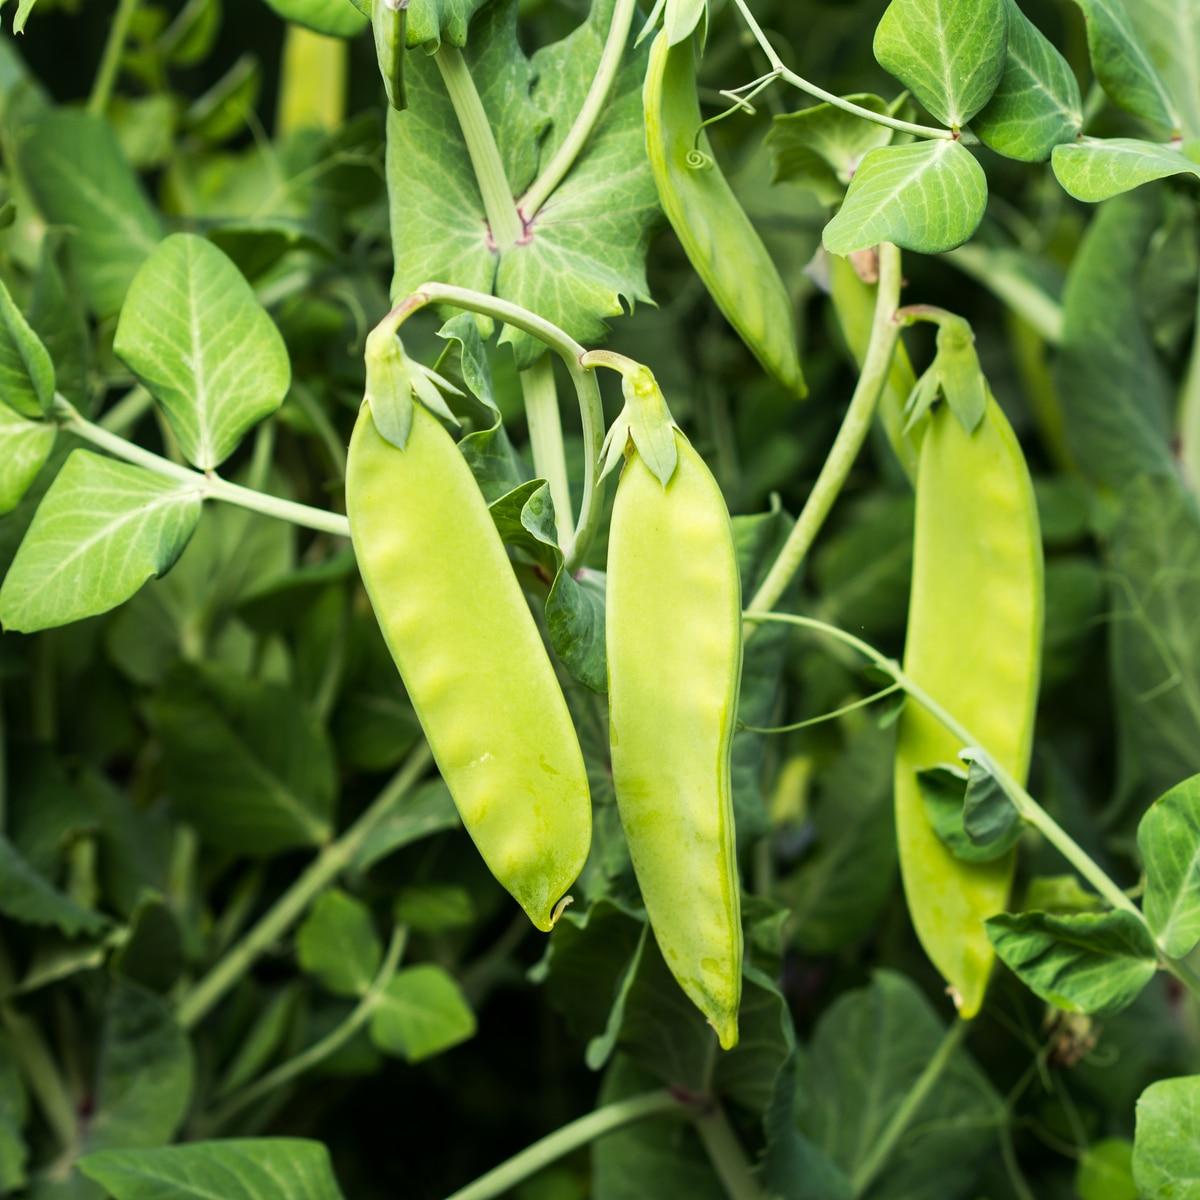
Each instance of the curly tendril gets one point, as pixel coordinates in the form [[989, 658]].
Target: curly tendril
[[698, 160]]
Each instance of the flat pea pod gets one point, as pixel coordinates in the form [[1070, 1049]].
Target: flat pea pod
[[469, 652], [673, 629], [711, 225], [974, 644]]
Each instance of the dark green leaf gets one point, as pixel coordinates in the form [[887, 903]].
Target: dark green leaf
[[31, 899], [338, 944], [152, 952], [421, 1013]]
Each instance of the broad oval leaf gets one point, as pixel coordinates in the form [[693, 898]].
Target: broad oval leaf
[[420, 1013], [1166, 1153], [338, 944], [26, 372], [1099, 169], [1037, 105], [100, 532], [1106, 1171], [24, 447], [233, 1168], [194, 333], [948, 53], [929, 196], [1169, 841], [1080, 962]]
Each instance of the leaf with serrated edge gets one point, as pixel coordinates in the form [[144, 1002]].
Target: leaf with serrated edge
[[101, 531], [1099, 169], [193, 331], [948, 53], [928, 197], [1169, 841], [24, 448]]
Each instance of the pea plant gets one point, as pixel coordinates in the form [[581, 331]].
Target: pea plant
[[600, 601]]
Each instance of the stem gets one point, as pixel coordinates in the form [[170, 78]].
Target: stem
[[324, 1047], [210, 485], [925, 131], [546, 441], [563, 1141], [895, 1129], [1189, 412], [589, 114], [726, 1155], [42, 1075], [591, 410], [110, 60], [503, 219], [288, 909], [885, 333]]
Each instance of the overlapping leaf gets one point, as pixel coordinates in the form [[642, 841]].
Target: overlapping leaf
[[1099, 169]]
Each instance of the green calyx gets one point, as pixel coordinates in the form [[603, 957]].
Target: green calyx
[[395, 381], [645, 426], [954, 375]]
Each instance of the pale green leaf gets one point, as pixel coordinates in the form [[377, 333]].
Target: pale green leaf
[[1099, 169], [421, 1013], [100, 532], [432, 21], [1095, 963], [232, 1169], [1166, 1152], [26, 372], [948, 53], [334, 18], [929, 196], [1169, 841], [1170, 31], [24, 447], [338, 944], [29, 898], [1037, 104], [194, 333], [1123, 64], [1106, 1171], [82, 182]]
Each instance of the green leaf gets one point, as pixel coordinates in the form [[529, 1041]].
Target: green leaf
[[434, 907], [58, 316], [427, 811], [948, 53], [1037, 105], [1105, 1171], [430, 22], [26, 372], [82, 182], [1166, 1155], [420, 1013], [194, 333], [338, 944], [990, 819], [1085, 963], [24, 448], [1169, 841], [1123, 64], [929, 196], [944, 791], [233, 1168], [334, 18], [1170, 31], [101, 531], [26, 896], [228, 106], [1098, 169], [152, 952]]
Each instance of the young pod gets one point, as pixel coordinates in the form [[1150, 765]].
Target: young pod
[[469, 652], [674, 643], [974, 644]]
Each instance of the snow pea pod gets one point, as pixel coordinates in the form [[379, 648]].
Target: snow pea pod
[[469, 652], [711, 225], [673, 629], [974, 643]]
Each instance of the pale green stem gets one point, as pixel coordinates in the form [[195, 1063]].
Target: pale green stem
[[503, 219], [324, 1047], [587, 390], [572, 145], [110, 60], [1006, 283], [208, 485], [546, 441], [42, 1076], [290, 906], [1189, 412], [797, 81], [885, 332], [563, 1141], [127, 411], [884, 1145], [726, 1155]]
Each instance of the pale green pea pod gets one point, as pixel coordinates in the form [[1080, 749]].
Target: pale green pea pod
[[468, 650], [711, 225], [673, 629], [974, 644]]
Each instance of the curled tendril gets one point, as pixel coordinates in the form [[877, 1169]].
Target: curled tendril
[[698, 160]]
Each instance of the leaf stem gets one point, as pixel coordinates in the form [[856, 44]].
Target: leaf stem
[[503, 219], [885, 1143], [726, 1154], [563, 1141], [42, 1075], [210, 485], [110, 59], [546, 441], [885, 332], [291, 905], [798, 81], [589, 114]]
